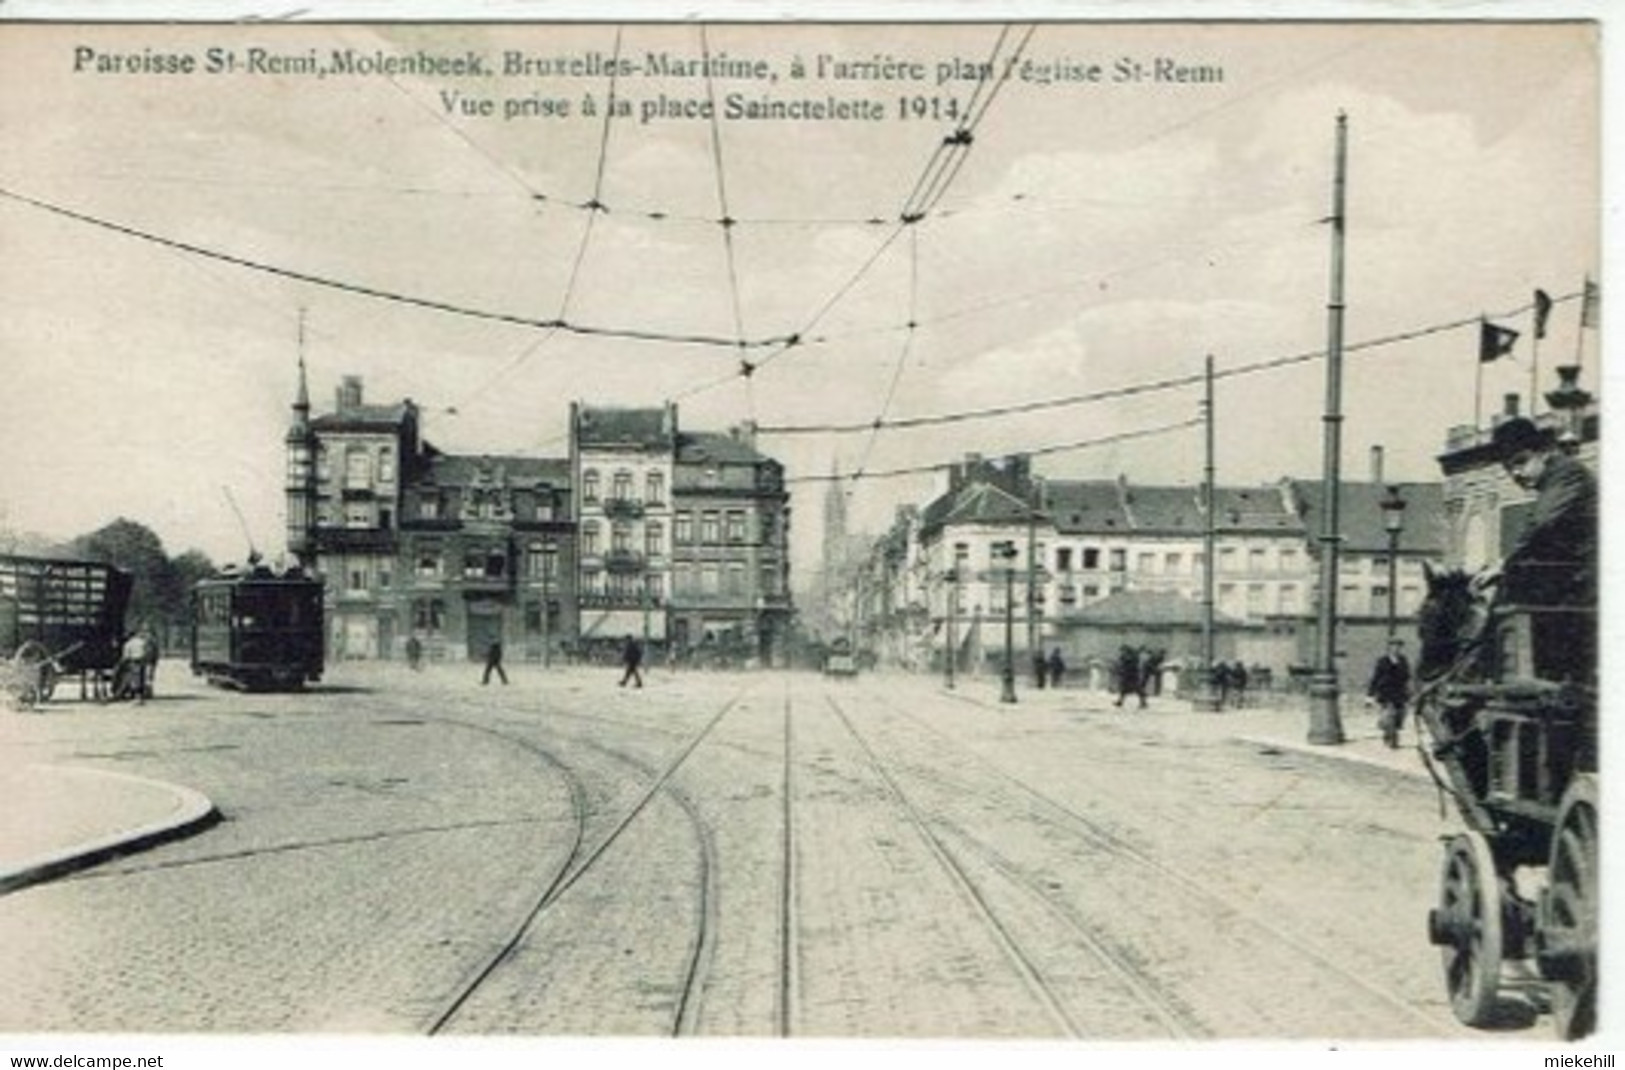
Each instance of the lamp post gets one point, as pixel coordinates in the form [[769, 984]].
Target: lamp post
[[950, 647], [1393, 521], [1007, 681]]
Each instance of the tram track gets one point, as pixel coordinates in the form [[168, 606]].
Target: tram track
[[687, 1001], [1102, 840]]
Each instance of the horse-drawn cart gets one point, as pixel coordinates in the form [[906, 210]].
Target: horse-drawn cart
[[58, 617], [1510, 702]]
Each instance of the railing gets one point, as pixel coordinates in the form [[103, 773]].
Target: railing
[[623, 508], [623, 561]]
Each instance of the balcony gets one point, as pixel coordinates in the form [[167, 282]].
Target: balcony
[[355, 540], [623, 561], [623, 508], [623, 600]]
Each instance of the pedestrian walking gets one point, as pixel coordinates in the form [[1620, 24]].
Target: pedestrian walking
[[632, 659], [1238, 682], [1152, 670], [414, 653], [1220, 674], [1057, 668], [1040, 669], [1129, 678], [1390, 690], [493, 663]]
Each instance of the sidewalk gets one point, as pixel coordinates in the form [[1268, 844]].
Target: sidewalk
[[55, 819]]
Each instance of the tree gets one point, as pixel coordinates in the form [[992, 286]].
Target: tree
[[161, 588]]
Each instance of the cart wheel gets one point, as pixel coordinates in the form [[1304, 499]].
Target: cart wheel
[[1468, 925], [1569, 920]]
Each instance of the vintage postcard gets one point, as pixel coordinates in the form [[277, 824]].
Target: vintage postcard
[[1017, 528]]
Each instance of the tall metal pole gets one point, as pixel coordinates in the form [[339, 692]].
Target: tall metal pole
[[1325, 718], [1206, 698], [1007, 689], [1032, 586], [952, 647], [1393, 583]]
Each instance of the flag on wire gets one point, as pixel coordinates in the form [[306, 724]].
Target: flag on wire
[[1591, 305], [1543, 308], [1494, 342]]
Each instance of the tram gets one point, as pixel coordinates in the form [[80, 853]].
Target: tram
[[256, 629]]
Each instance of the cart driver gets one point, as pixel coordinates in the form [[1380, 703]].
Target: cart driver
[[1553, 563]]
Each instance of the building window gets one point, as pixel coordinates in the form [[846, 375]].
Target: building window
[[428, 508], [1288, 559], [1146, 563], [358, 578], [358, 515], [654, 586], [1256, 606], [769, 579], [1119, 560], [589, 487], [734, 585], [428, 566], [1173, 563], [386, 465], [682, 530], [654, 537], [620, 536], [428, 615], [357, 468], [622, 489], [1228, 559], [1287, 599], [386, 576], [655, 488], [1353, 601], [736, 526], [592, 582], [1091, 559], [709, 579], [1257, 561], [710, 527], [1063, 559], [589, 539], [1069, 594], [682, 579]]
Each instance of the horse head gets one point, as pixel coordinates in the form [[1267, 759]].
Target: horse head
[[1450, 618]]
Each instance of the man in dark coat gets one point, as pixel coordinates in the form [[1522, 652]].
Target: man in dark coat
[[1130, 681], [1390, 689], [493, 662], [632, 658], [1553, 563], [1056, 666]]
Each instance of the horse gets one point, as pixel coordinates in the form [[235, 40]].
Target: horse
[[1450, 624]]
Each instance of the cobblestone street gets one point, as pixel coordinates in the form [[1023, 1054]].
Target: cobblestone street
[[735, 855]]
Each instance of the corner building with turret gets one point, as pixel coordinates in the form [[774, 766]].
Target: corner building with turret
[[677, 538]]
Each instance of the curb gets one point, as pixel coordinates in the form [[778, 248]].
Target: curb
[[193, 813]]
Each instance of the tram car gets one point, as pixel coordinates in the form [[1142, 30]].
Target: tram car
[[839, 659], [257, 629], [1509, 699], [58, 617]]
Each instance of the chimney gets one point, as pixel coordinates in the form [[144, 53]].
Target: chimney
[[1376, 465], [349, 393]]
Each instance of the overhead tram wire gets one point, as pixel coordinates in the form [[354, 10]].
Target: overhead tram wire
[[928, 190], [596, 202], [726, 221], [903, 354], [359, 290], [1041, 451], [1148, 387]]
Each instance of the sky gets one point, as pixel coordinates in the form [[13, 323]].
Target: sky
[[1094, 236]]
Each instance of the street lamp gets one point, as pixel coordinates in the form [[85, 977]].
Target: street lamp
[[1393, 520], [1007, 682]]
